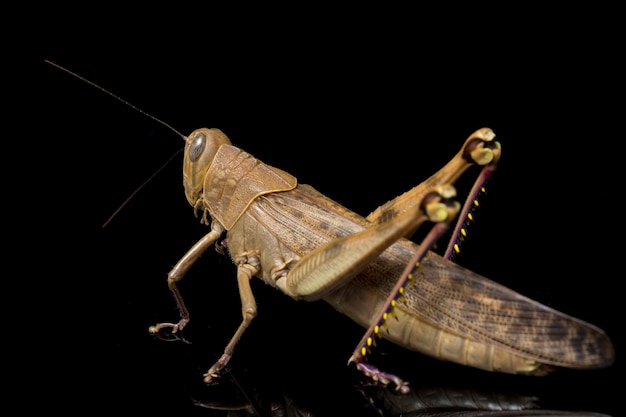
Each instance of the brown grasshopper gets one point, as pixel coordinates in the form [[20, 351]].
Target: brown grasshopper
[[310, 247], [298, 240]]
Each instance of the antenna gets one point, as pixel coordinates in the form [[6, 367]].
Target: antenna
[[104, 90], [132, 106]]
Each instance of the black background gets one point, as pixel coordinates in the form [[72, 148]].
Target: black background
[[361, 114]]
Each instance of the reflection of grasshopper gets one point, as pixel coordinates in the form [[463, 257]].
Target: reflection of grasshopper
[[445, 401], [423, 401], [310, 247]]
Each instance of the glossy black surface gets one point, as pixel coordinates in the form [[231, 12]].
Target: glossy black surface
[[361, 125]]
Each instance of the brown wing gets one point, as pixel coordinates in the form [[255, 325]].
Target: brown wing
[[473, 306], [446, 295]]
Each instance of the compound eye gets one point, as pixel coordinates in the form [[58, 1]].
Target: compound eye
[[197, 147]]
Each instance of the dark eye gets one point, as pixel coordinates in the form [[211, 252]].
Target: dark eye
[[197, 147]]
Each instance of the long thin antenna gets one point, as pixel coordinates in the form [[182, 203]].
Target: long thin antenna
[[104, 90], [132, 106], [140, 187]]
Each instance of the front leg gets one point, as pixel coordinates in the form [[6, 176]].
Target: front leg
[[248, 264], [177, 273]]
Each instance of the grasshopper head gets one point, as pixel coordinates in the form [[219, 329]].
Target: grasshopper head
[[201, 147]]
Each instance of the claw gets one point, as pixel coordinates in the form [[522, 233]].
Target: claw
[[175, 327], [214, 372], [172, 335], [210, 378]]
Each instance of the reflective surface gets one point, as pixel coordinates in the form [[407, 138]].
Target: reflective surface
[[538, 231]]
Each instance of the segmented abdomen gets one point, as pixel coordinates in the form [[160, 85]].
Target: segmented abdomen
[[454, 314], [409, 331]]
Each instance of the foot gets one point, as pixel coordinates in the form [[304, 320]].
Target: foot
[[214, 372], [174, 327], [383, 377]]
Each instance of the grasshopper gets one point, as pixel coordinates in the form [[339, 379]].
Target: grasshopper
[[310, 247]]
